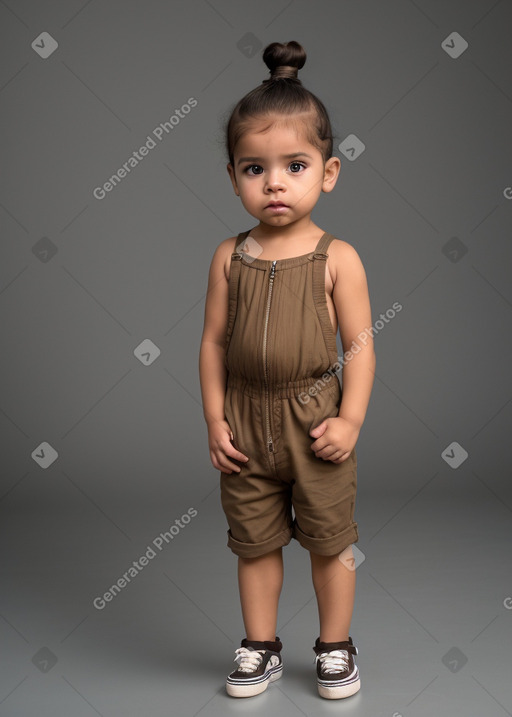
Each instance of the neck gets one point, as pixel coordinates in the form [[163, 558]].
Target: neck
[[302, 228]]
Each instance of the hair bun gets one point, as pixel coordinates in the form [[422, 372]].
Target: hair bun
[[284, 60]]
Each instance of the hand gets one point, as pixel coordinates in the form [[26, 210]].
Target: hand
[[336, 437], [220, 436]]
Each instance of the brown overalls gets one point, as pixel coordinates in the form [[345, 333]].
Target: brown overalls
[[281, 358]]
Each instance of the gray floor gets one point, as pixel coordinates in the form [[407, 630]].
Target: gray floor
[[432, 619]]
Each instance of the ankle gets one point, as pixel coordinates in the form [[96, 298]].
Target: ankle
[[333, 638]]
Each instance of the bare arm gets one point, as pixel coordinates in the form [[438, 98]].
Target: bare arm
[[212, 369], [352, 302]]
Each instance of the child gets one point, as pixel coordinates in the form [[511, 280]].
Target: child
[[278, 429]]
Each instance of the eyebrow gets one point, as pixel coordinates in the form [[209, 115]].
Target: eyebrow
[[283, 156]]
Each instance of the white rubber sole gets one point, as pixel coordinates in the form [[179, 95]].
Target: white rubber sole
[[336, 693], [255, 688]]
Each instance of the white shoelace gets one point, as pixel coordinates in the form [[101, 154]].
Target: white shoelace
[[334, 661], [248, 660]]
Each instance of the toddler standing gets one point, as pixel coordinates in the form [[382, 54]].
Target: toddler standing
[[281, 429]]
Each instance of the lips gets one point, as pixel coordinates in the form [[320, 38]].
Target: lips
[[276, 204]]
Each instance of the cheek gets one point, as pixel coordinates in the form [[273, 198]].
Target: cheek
[[249, 189]]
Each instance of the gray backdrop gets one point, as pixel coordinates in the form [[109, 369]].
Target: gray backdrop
[[104, 445]]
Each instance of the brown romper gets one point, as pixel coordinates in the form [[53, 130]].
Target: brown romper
[[281, 358]]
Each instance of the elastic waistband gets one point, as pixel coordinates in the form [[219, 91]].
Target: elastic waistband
[[286, 389]]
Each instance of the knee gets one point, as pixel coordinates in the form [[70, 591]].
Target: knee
[[276, 554], [319, 559]]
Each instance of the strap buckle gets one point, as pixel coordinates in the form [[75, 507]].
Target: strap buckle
[[320, 255]]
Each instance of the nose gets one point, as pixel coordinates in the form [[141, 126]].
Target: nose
[[274, 181]]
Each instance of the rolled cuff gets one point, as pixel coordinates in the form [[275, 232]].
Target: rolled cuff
[[327, 546], [254, 550]]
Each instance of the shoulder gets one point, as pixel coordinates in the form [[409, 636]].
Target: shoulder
[[343, 261], [221, 259], [228, 247]]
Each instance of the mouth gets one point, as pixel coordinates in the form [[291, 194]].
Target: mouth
[[275, 204]]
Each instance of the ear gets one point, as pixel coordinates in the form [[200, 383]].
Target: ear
[[231, 173], [331, 171]]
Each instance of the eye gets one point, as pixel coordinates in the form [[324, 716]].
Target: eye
[[297, 164], [251, 166]]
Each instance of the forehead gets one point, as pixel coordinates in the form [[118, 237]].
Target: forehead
[[288, 134]]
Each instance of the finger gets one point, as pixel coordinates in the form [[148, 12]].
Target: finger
[[241, 456], [325, 453], [224, 469], [221, 463], [233, 453], [228, 466], [216, 463], [332, 454]]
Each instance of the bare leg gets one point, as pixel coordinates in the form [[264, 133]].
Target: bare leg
[[260, 581], [335, 586]]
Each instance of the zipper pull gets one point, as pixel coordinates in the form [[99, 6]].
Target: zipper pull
[[270, 447], [273, 270]]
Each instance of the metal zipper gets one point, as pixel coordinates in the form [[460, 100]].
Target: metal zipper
[[270, 443]]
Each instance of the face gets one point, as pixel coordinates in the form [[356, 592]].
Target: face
[[280, 166]]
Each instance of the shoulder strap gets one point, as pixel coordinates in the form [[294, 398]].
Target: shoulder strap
[[240, 238], [234, 279], [323, 243], [320, 257]]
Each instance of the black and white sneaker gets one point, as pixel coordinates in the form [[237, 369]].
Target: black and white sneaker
[[337, 673], [259, 662]]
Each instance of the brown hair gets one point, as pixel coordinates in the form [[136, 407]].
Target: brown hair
[[281, 97]]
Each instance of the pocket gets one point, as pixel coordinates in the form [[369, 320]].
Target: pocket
[[335, 391], [324, 403], [232, 413], [234, 442]]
